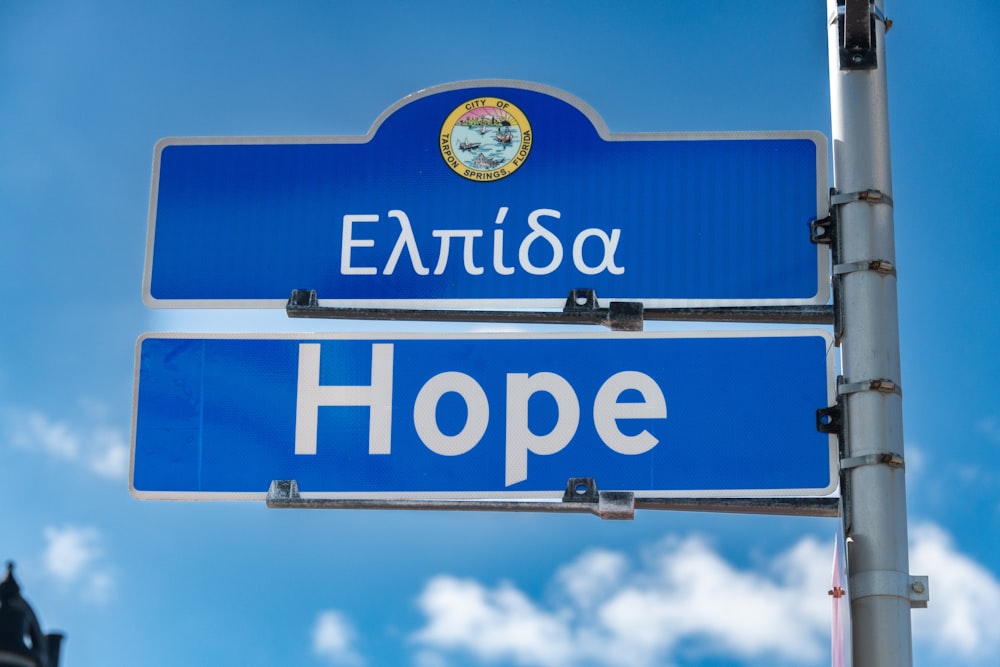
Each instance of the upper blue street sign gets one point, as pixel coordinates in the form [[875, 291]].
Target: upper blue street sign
[[488, 194], [473, 416]]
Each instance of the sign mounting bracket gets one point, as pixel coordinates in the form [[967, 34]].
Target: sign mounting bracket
[[581, 497], [582, 307]]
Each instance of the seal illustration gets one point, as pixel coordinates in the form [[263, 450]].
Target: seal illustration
[[485, 139]]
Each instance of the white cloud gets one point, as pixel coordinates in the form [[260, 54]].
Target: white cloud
[[101, 450], [33, 430], [682, 597], [494, 625], [72, 556], [333, 638], [960, 623], [109, 453], [69, 550], [688, 594], [592, 576]]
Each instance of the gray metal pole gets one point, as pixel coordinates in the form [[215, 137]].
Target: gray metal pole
[[881, 589]]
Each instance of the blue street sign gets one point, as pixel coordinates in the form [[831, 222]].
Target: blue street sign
[[488, 195], [492, 415]]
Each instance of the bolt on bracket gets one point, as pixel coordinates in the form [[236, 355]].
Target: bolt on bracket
[[880, 266], [871, 195], [616, 505], [877, 583], [881, 386], [891, 459]]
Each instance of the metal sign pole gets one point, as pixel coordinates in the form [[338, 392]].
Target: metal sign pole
[[882, 591]]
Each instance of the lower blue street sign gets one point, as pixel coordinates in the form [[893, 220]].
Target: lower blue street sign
[[471, 416], [488, 194]]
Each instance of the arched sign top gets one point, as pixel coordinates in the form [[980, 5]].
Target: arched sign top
[[484, 128], [488, 194], [495, 92]]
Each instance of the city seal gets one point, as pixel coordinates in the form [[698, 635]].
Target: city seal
[[485, 139]]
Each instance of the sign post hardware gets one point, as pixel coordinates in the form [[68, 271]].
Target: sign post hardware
[[869, 412], [581, 307], [284, 494]]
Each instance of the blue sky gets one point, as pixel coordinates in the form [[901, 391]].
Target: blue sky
[[86, 89]]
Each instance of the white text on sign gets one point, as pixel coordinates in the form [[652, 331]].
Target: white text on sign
[[519, 438], [353, 239]]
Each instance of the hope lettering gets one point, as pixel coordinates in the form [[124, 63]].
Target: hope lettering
[[520, 387]]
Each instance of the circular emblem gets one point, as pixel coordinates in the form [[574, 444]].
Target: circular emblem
[[485, 139]]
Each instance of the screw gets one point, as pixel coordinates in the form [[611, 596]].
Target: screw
[[917, 587]]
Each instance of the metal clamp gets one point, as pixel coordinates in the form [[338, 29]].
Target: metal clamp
[[619, 505], [826, 231], [871, 196], [618, 316], [890, 459], [882, 386], [879, 266], [881, 583]]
